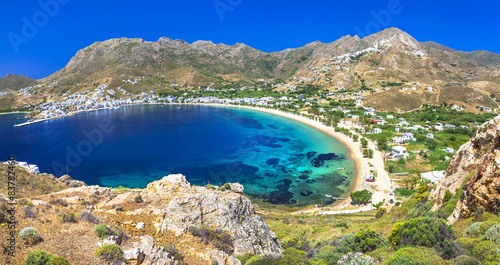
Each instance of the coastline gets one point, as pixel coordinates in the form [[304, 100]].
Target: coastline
[[380, 188]]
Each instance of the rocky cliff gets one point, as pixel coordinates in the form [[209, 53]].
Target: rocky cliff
[[477, 162], [182, 205]]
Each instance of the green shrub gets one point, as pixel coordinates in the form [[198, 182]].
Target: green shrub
[[466, 260], [174, 252], [474, 230], [38, 257], [428, 232], [485, 226], [294, 252], [328, 255], [138, 199], [210, 187], [493, 234], [492, 259], [380, 212], [468, 244], [447, 195], [342, 224], [347, 244], [67, 217], [362, 196], [226, 186], [483, 249], [30, 234], [245, 257], [110, 252], [104, 231], [415, 256], [285, 260], [367, 240]]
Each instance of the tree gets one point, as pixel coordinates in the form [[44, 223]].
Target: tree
[[364, 142], [362, 196], [370, 153], [365, 153], [355, 137], [453, 138]]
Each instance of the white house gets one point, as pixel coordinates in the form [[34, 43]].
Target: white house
[[433, 176], [430, 135], [399, 151], [377, 130], [389, 117], [448, 150]]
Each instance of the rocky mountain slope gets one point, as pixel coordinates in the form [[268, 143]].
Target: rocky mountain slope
[[477, 164], [14, 82], [390, 59]]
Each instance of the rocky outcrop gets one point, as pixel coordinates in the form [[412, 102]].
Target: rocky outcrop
[[147, 252], [478, 159], [70, 182], [182, 206]]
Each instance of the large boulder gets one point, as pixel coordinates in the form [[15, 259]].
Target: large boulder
[[478, 159], [182, 206]]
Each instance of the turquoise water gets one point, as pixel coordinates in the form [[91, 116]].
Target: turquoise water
[[276, 159]]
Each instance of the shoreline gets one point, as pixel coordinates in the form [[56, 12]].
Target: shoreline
[[380, 188]]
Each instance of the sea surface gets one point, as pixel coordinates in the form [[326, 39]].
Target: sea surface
[[279, 160]]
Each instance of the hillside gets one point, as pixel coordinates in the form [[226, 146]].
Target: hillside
[[386, 68], [15, 82]]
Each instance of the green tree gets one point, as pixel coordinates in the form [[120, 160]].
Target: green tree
[[355, 137], [362, 196], [364, 142]]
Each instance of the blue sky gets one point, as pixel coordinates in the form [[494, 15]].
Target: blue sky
[[38, 38]]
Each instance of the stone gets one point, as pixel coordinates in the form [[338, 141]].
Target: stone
[[153, 254], [110, 240], [140, 225], [70, 182], [478, 159], [183, 206]]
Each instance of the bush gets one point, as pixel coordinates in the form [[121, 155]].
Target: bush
[[245, 257], [466, 260], [59, 202], [216, 237], [493, 234], [328, 255], [104, 231], [485, 226], [87, 216], [226, 186], [474, 230], [30, 234], [67, 217], [468, 244], [362, 196], [380, 212], [294, 252], [492, 259], [428, 232], [38, 257], [174, 252], [484, 249], [447, 195], [342, 224], [347, 244], [138, 199], [110, 252], [367, 240], [415, 256], [29, 211]]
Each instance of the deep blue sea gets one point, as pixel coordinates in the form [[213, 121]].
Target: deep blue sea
[[276, 159]]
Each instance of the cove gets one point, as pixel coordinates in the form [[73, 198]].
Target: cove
[[277, 159]]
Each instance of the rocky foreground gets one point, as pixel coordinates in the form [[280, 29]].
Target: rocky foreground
[[173, 206]]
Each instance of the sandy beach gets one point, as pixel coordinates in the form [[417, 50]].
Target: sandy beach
[[380, 188]]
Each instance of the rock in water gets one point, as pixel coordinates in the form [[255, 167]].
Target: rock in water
[[182, 206]]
